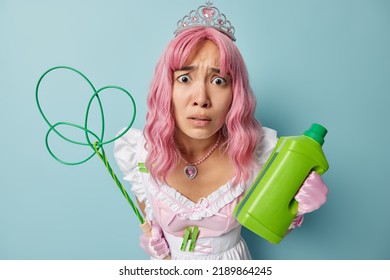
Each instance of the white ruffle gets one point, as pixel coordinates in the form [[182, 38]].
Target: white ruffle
[[266, 146], [128, 152], [205, 207]]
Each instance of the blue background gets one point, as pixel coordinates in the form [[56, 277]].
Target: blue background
[[309, 61]]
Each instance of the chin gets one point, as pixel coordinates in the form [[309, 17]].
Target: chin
[[200, 133]]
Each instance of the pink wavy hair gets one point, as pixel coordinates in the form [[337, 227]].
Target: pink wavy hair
[[241, 129]]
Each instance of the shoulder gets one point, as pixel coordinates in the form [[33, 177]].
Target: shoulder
[[266, 146], [269, 137], [130, 153], [130, 146]]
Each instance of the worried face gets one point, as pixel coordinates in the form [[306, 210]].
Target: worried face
[[201, 97]]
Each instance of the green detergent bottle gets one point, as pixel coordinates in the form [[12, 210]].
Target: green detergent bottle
[[269, 207]]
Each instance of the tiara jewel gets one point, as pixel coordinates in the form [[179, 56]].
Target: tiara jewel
[[209, 16]]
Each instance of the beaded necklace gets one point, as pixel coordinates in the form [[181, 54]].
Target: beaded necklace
[[190, 169]]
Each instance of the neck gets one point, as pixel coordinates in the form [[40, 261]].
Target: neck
[[194, 149]]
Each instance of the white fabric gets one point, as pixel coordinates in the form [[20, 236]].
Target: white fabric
[[205, 207], [229, 246], [130, 149]]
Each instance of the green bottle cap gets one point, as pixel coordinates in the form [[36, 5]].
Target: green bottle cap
[[317, 132]]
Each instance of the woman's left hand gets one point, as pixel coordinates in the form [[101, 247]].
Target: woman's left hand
[[310, 197], [312, 194]]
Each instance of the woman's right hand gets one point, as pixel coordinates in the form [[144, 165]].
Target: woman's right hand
[[153, 242]]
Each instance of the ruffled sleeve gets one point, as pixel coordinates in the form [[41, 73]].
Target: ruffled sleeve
[[266, 146], [129, 153]]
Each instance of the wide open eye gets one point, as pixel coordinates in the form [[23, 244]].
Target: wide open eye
[[219, 81], [183, 79]]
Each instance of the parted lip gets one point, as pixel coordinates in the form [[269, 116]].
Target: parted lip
[[199, 117]]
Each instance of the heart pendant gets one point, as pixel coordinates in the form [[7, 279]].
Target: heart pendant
[[190, 171]]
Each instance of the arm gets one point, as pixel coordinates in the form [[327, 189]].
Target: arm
[[128, 152], [152, 240]]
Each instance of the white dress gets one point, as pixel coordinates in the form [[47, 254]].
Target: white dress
[[219, 233]]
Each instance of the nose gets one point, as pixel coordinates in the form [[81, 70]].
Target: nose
[[201, 97]]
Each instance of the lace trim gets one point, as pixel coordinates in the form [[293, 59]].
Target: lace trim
[[205, 207]]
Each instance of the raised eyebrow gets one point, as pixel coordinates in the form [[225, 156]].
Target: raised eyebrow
[[185, 68], [190, 68], [216, 70]]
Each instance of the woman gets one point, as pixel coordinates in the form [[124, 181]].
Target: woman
[[201, 147]]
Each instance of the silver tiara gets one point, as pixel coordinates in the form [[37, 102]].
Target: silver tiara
[[209, 16]]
